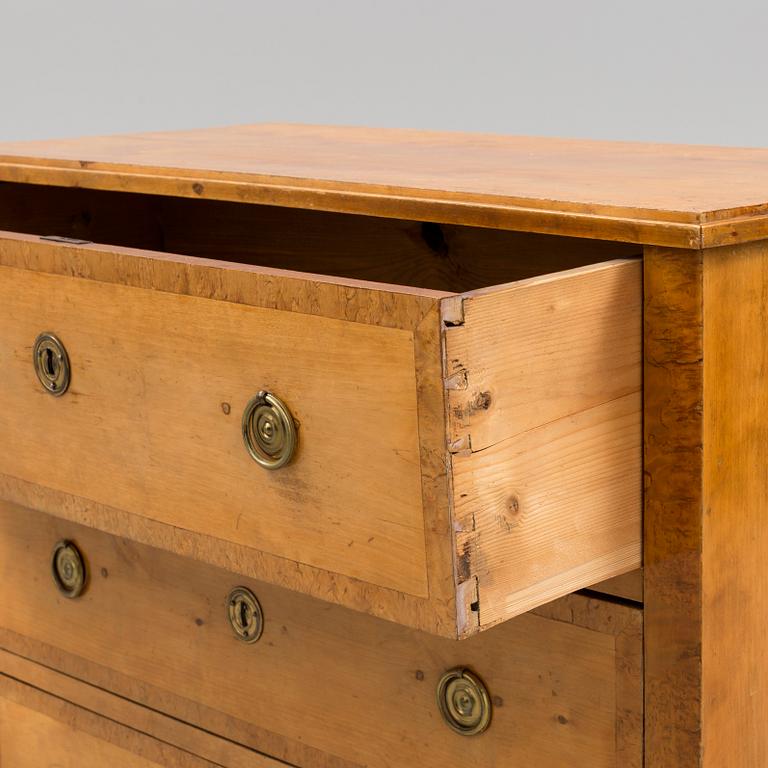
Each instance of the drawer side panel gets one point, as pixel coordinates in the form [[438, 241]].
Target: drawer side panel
[[545, 421]]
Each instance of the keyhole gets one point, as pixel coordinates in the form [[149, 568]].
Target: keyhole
[[49, 364], [244, 617]]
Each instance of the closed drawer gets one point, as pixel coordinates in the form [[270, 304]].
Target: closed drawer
[[323, 685], [460, 457], [49, 720]]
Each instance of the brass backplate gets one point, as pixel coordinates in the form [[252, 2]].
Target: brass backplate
[[51, 364], [464, 702], [68, 568], [245, 615], [269, 431]]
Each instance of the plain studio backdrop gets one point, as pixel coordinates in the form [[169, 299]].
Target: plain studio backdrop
[[691, 72]]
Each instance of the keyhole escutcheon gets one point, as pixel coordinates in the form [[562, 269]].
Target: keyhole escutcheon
[[245, 615], [51, 363]]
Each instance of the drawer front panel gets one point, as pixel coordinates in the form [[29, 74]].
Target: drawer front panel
[[30, 739], [151, 423], [565, 683], [50, 720]]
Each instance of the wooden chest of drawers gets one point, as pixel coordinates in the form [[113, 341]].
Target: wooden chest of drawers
[[390, 386]]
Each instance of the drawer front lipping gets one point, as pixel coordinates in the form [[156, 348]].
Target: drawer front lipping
[[564, 684], [151, 422]]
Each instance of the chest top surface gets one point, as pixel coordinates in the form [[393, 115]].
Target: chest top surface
[[662, 194]]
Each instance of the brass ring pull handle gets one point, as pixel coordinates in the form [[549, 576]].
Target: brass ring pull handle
[[51, 364], [463, 701], [68, 569], [269, 431]]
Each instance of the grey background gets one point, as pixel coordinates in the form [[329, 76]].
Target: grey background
[[662, 71]]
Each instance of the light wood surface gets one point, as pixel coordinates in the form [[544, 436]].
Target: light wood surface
[[29, 739], [39, 730], [321, 677], [46, 708], [734, 520], [545, 348], [545, 421], [647, 193], [146, 429]]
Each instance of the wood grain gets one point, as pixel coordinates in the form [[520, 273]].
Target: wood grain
[[545, 414], [544, 348], [394, 251], [735, 508], [645, 193], [673, 545], [321, 677], [580, 172], [56, 712]]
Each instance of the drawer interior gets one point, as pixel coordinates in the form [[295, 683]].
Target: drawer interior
[[423, 255]]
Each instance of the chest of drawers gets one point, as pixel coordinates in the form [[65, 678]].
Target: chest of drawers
[[378, 401]]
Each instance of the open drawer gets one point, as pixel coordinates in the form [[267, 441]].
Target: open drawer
[[461, 453]]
